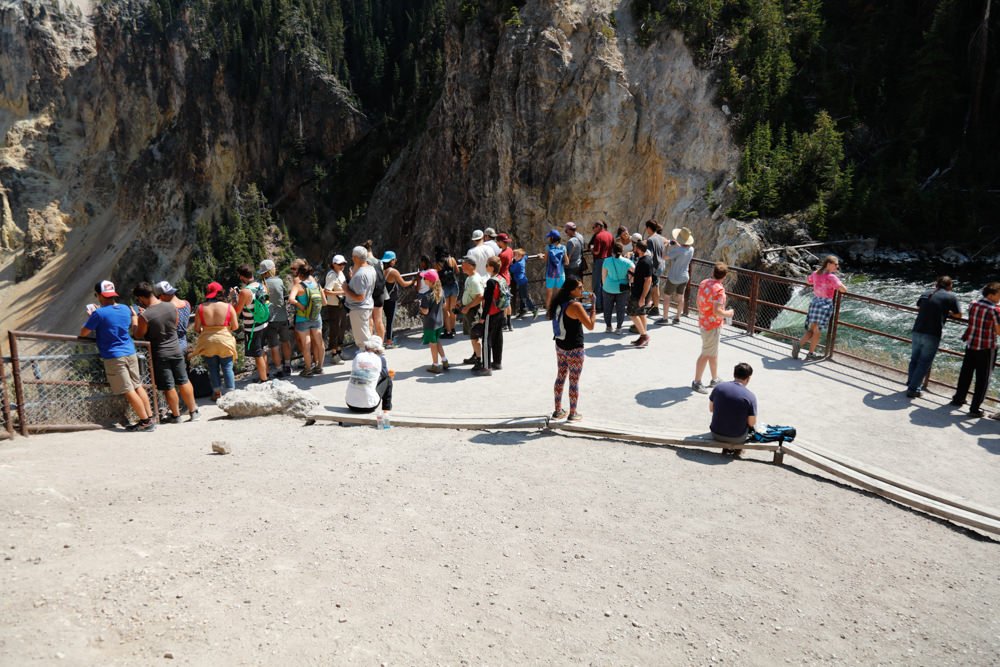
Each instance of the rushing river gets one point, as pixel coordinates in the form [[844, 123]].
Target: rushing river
[[899, 290]]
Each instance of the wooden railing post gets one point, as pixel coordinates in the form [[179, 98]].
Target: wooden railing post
[[831, 334], [15, 371]]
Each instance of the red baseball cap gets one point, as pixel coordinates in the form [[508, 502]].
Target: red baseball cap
[[105, 288], [212, 290]]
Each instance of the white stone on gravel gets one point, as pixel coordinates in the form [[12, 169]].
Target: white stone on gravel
[[268, 398]]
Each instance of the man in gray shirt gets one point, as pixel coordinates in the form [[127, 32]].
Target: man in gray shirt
[[278, 335], [679, 255], [574, 251], [358, 292], [656, 245]]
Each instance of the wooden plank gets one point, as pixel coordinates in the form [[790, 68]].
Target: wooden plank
[[912, 500], [472, 423], [673, 439], [906, 484]]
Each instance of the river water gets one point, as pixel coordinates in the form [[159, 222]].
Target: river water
[[896, 289]]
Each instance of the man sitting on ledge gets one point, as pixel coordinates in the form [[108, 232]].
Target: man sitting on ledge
[[371, 380], [733, 408]]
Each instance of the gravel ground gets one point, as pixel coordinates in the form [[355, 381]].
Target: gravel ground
[[336, 545]]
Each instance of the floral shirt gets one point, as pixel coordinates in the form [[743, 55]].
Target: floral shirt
[[710, 293]]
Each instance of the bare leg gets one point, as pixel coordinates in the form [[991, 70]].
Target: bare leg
[[318, 350], [302, 339], [144, 397], [138, 404], [261, 362], [186, 391], [699, 367], [172, 402], [713, 366]]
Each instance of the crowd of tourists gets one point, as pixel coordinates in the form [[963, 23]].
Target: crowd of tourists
[[638, 275]]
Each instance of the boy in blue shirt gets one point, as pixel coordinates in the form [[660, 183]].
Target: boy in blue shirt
[[110, 325]]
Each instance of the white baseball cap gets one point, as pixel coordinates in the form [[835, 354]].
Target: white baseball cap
[[477, 235]]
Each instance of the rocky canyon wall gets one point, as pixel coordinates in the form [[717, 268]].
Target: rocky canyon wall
[[563, 116]]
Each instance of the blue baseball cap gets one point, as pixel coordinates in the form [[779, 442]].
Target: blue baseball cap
[[388, 256], [554, 234]]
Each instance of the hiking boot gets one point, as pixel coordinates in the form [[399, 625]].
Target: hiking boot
[[472, 360], [306, 373], [317, 370], [699, 387], [194, 416], [434, 368], [715, 382], [796, 348], [445, 365]]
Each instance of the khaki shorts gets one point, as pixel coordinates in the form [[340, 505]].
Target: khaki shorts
[[123, 374], [710, 341], [674, 288]]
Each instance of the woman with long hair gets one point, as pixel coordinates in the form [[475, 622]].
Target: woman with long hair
[[308, 300], [215, 322], [614, 281], [568, 317], [393, 281], [825, 284], [431, 304]]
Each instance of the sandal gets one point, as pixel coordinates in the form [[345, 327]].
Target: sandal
[[559, 414]]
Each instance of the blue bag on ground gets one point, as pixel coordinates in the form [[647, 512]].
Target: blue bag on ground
[[778, 434]]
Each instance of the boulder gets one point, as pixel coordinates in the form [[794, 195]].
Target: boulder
[[275, 397]]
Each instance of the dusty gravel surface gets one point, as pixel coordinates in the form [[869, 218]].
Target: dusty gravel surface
[[336, 545]]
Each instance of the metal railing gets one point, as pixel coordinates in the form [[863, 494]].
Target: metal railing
[[8, 424], [60, 385], [759, 299]]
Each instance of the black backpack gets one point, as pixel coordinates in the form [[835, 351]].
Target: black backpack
[[379, 281]]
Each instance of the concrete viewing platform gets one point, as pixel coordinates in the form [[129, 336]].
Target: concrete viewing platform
[[845, 408]]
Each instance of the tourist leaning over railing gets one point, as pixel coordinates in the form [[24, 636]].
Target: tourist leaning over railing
[[935, 306], [980, 349], [111, 324], [825, 284]]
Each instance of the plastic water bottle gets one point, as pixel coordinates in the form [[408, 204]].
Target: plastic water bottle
[[380, 421], [386, 424]]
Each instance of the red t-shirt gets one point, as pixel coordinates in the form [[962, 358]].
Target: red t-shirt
[[602, 244], [506, 257]]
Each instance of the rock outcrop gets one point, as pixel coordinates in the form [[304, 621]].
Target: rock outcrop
[[563, 117]]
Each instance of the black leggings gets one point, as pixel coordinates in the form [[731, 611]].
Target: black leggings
[[389, 308]]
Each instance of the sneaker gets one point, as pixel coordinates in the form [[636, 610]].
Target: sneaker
[[194, 416], [715, 382], [445, 365], [662, 320], [813, 357], [472, 360], [796, 348], [574, 417], [389, 345], [620, 331], [306, 373], [699, 387], [287, 370], [676, 320], [171, 419], [559, 414], [132, 426], [976, 413], [914, 394], [496, 367], [481, 370], [317, 370], [735, 453], [653, 312], [435, 369], [534, 313], [608, 329], [955, 403], [336, 360], [146, 425]]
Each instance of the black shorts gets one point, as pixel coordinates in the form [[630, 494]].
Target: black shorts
[[276, 333], [477, 331], [634, 308], [170, 372], [254, 346], [378, 300]]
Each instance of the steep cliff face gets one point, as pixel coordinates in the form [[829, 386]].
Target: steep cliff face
[[563, 117], [118, 142]]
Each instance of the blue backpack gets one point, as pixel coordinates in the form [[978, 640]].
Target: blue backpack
[[778, 434]]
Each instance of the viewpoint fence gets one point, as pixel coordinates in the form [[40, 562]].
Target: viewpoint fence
[[57, 383], [763, 304]]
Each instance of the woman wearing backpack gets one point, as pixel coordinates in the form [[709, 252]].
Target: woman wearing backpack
[[569, 317], [308, 300], [447, 270], [393, 281], [556, 261]]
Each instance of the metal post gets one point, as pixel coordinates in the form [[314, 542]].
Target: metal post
[[5, 399], [831, 334], [15, 369], [754, 295]]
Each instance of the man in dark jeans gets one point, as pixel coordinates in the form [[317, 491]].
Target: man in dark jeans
[[980, 349], [935, 307]]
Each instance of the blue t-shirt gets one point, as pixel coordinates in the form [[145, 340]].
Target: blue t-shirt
[[517, 271], [554, 267], [111, 325], [732, 403]]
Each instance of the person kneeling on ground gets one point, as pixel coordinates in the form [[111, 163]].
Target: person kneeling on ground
[[733, 408], [371, 382]]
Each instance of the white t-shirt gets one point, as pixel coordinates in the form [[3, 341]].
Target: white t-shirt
[[481, 253], [334, 281], [365, 371], [475, 285], [494, 245]]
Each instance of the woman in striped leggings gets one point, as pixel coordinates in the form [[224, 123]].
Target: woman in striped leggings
[[569, 316]]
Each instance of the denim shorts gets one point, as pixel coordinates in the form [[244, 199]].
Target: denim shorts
[[308, 325]]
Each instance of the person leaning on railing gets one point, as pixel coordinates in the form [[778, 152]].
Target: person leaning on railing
[[215, 323], [825, 283], [110, 325], [934, 307], [980, 349]]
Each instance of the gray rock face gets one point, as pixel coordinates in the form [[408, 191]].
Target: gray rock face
[[565, 117], [268, 398]]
